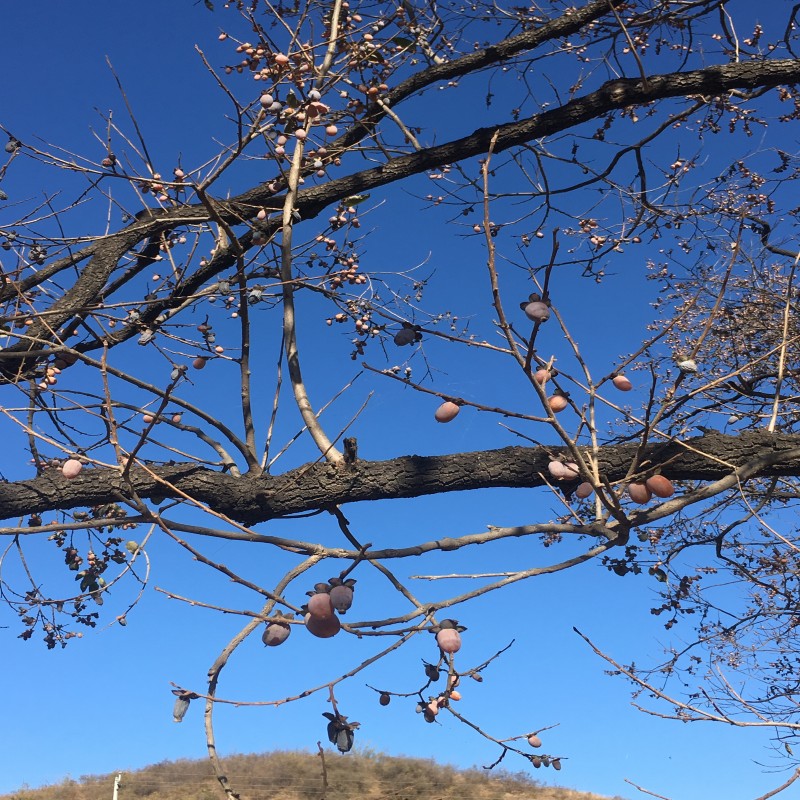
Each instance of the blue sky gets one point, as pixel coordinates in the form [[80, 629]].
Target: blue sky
[[104, 703]]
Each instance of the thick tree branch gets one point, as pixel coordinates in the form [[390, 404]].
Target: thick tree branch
[[613, 95], [250, 499]]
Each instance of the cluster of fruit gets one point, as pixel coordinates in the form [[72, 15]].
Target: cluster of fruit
[[320, 612]]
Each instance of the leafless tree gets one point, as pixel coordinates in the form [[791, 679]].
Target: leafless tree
[[643, 132]]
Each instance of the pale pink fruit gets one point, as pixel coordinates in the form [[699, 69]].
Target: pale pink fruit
[[281, 59], [446, 412], [557, 469], [71, 468], [449, 640], [323, 628], [660, 486], [557, 403], [622, 383], [584, 490], [320, 605], [541, 376], [571, 470], [331, 130], [639, 493], [534, 740]]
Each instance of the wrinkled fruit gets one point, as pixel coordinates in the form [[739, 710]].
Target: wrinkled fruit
[[537, 311], [341, 597], [405, 336], [276, 633]]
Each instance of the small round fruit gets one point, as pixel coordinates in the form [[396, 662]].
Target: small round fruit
[[622, 383], [557, 403], [584, 490], [132, 547], [199, 362], [534, 740], [71, 468], [323, 628], [557, 469], [384, 699], [660, 486], [320, 605], [537, 311], [541, 376], [455, 695], [275, 633], [331, 130], [571, 471], [342, 597], [639, 493], [405, 336], [556, 764], [446, 412], [449, 640]]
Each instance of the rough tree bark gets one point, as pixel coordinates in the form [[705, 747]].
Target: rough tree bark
[[253, 499]]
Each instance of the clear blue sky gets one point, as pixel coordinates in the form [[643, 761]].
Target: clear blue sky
[[104, 703]]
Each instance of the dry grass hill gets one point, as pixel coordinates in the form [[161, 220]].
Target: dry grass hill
[[298, 776]]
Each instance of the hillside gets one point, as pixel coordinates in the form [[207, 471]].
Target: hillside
[[297, 776]]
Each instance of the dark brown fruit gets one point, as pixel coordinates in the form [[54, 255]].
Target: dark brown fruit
[[342, 597], [275, 633]]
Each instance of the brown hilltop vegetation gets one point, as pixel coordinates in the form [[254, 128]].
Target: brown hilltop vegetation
[[298, 776]]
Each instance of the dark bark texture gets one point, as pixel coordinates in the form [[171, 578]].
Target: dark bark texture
[[250, 500]]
